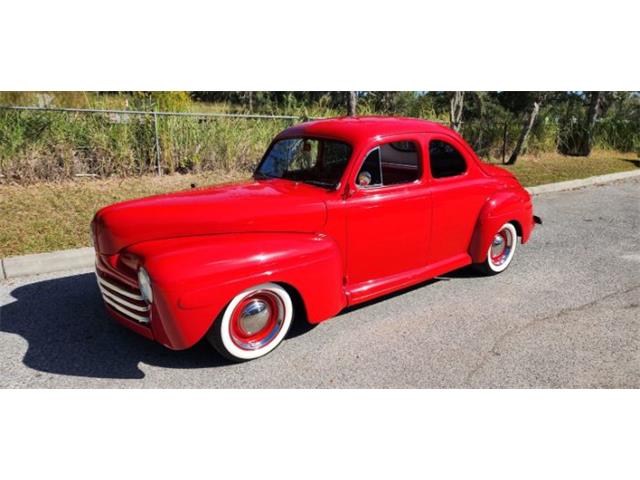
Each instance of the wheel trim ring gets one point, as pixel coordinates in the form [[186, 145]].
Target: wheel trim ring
[[264, 336]]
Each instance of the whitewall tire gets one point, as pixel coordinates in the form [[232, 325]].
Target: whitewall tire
[[501, 251], [253, 324]]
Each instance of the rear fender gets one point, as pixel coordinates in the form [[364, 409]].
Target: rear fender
[[500, 208]]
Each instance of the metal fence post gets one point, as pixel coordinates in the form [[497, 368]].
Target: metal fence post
[[158, 156]]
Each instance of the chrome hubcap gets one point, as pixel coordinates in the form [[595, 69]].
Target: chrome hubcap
[[254, 316], [501, 247], [498, 246]]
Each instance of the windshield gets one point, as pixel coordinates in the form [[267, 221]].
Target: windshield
[[309, 160]]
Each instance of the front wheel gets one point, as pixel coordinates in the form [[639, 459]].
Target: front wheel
[[501, 251], [253, 324]]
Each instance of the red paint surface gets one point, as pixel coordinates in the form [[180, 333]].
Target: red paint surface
[[335, 248]]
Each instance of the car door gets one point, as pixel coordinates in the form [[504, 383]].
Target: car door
[[387, 213], [458, 193]]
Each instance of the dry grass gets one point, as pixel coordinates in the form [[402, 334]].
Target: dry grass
[[54, 216], [544, 168]]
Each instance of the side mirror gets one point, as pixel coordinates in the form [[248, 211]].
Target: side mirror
[[348, 192]]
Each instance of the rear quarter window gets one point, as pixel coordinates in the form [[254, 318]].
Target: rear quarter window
[[445, 160]]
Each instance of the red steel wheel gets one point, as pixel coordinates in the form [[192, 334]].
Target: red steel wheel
[[256, 320]]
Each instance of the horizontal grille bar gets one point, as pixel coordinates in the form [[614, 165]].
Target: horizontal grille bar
[[113, 287], [123, 302], [126, 312]]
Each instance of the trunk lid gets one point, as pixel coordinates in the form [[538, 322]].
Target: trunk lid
[[495, 171]]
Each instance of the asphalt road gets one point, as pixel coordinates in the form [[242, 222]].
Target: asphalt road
[[565, 314]]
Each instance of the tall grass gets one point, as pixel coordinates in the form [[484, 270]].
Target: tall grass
[[45, 145], [56, 145]]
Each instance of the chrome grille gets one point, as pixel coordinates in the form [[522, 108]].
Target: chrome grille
[[129, 304]]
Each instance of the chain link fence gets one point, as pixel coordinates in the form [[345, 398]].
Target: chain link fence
[[43, 143]]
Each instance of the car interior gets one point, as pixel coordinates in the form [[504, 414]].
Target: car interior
[[390, 164]]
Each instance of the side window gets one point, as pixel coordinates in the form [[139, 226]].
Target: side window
[[390, 164], [445, 160], [370, 174]]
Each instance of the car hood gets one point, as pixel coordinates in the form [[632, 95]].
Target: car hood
[[254, 206]]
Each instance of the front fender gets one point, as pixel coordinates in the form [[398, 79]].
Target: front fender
[[196, 277], [500, 208]]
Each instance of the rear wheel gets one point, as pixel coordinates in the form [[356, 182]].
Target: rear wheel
[[501, 251], [253, 324]]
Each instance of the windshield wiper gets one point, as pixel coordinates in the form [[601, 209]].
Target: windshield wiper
[[320, 183], [317, 183]]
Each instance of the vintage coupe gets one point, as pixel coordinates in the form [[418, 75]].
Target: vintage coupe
[[339, 211]]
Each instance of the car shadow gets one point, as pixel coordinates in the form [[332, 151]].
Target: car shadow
[[465, 272], [69, 333]]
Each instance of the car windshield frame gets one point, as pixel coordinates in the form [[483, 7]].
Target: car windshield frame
[[320, 183]]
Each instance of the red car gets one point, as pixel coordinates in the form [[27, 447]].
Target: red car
[[338, 212]]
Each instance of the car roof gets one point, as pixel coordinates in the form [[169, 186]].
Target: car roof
[[354, 129]]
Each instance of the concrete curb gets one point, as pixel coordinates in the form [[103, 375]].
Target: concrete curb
[[47, 262], [12, 267], [583, 182]]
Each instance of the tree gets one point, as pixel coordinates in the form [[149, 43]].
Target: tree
[[352, 103], [596, 109], [587, 108], [527, 125], [455, 111]]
